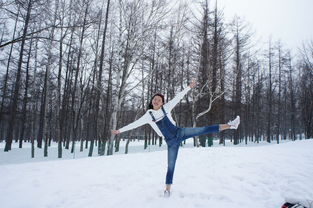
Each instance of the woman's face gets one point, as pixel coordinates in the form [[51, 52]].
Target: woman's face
[[157, 102]]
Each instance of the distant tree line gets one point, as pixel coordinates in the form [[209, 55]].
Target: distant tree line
[[73, 70]]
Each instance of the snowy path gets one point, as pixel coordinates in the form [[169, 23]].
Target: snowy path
[[258, 177]]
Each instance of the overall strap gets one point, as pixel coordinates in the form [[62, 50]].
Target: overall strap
[[153, 118], [163, 111]]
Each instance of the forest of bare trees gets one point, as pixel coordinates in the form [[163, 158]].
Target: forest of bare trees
[[73, 70]]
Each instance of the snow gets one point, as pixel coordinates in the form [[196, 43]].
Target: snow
[[259, 176], [23, 155]]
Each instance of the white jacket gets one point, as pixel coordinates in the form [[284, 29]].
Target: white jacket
[[158, 114]]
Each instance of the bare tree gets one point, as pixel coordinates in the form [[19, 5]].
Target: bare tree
[[279, 102], [213, 96], [99, 82], [292, 101], [6, 78], [241, 42], [17, 82], [270, 92], [131, 39], [25, 99], [306, 101]]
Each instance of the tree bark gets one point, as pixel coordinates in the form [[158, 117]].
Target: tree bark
[[17, 83], [25, 100]]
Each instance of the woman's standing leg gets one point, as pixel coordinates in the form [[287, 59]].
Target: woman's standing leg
[[172, 152]]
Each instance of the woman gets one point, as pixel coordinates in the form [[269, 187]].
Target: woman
[[159, 117]]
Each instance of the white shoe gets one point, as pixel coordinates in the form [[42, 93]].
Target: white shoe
[[167, 194], [234, 123]]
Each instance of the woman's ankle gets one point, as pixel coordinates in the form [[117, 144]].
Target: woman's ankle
[[223, 127], [168, 187]]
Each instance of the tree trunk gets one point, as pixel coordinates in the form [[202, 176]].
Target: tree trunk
[[292, 104], [44, 104], [74, 114], [279, 94], [17, 83], [25, 100], [238, 83], [4, 94], [269, 96], [99, 83]]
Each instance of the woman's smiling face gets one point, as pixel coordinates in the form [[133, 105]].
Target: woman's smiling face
[[157, 102]]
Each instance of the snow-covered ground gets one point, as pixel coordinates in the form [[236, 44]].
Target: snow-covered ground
[[258, 176], [23, 155]]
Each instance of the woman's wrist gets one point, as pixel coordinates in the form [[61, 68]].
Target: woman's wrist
[[192, 84], [116, 131]]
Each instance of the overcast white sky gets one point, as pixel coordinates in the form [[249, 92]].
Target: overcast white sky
[[291, 21]]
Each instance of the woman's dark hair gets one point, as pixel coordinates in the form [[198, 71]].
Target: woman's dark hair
[[158, 94]]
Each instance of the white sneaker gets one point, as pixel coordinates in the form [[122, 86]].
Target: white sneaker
[[234, 123], [167, 194]]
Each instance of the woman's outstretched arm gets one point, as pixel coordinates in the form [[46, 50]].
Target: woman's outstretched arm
[[172, 103], [141, 121]]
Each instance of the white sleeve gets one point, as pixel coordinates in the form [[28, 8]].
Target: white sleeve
[[141, 121], [172, 103]]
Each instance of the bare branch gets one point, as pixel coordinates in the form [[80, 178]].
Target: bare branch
[[212, 99], [39, 31]]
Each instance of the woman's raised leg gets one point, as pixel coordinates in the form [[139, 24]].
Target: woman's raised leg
[[185, 133]]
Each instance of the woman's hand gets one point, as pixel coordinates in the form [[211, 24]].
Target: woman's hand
[[193, 83], [115, 132]]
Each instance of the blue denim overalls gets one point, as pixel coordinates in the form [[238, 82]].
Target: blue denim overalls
[[174, 136]]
